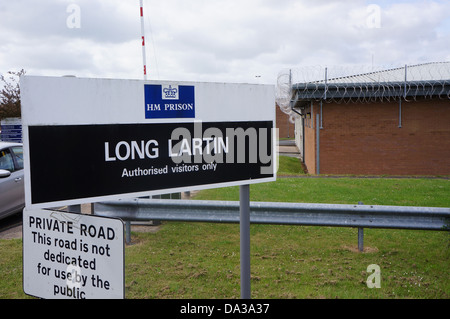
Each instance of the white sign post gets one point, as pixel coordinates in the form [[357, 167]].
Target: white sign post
[[72, 256]]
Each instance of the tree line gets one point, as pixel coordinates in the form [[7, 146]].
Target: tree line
[[10, 94]]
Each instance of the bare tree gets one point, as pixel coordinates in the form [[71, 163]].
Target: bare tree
[[10, 95]]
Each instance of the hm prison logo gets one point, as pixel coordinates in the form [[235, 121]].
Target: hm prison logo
[[169, 101], [169, 92]]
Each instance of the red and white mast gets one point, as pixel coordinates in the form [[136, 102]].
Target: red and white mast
[[144, 60]]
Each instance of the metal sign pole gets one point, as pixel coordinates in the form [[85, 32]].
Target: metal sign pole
[[244, 197]]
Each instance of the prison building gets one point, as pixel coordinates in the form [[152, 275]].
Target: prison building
[[389, 122], [286, 129]]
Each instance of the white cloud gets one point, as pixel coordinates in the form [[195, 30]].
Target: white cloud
[[221, 40]]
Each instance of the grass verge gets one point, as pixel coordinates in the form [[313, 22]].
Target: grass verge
[[201, 260]]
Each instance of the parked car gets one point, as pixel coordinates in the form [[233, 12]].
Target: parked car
[[12, 192]]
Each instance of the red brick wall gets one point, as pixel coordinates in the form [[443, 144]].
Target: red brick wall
[[365, 138], [285, 127]]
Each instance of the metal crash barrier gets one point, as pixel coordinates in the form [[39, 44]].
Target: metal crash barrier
[[336, 215]]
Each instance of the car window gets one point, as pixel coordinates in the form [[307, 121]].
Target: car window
[[18, 151], [6, 161]]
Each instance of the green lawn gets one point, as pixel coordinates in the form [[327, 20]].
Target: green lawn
[[201, 260], [346, 190], [289, 166], [340, 190]]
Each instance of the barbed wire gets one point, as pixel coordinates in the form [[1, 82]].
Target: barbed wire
[[362, 84]]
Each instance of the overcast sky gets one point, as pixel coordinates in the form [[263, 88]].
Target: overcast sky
[[217, 40]]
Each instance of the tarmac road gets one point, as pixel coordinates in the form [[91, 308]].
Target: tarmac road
[[11, 227]]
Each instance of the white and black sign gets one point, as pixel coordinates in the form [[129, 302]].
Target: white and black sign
[[89, 139], [102, 160], [72, 256]]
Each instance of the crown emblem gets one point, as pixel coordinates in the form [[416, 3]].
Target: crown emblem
[[170, 92]]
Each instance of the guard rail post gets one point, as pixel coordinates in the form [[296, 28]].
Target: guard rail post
[[360, 235]]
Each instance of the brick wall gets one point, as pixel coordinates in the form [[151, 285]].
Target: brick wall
[[365, 138], [285, 127]]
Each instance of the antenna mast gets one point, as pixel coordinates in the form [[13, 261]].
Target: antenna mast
[[143, 39]]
